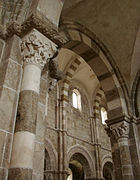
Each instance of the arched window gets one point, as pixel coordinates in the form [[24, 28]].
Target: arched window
[[103, 115], [76, 99]]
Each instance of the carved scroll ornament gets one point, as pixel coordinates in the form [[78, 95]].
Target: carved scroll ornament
[[121, 130], [35, 51]]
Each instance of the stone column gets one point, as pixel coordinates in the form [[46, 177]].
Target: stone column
[[36, 50], [120, 149]]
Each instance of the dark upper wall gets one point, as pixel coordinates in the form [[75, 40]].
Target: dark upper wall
[[114, 22]]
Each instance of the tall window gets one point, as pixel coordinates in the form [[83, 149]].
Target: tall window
[[103, 115], [76, 99]]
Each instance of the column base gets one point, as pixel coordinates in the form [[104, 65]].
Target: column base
[[20, 174]]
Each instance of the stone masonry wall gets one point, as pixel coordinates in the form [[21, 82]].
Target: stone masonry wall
[[79, 119], [10, 78]]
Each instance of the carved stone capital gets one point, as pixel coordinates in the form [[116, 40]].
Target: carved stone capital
[[37, 49], [120, 130]]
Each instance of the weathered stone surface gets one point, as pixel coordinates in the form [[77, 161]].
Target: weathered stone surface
[[3, 174], [36, 176], [112, 94], [2, 43], [37, 49], [23, 150], [8, 101], [38, 162], [40, 125], [7, 150], [2, 144], [27, 112], [43, 91], [52, 15], [134, 150], [116, 23], [10, 74], [13, 50], [114, 113], [20, 174]]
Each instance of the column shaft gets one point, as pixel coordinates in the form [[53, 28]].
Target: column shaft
[[125, 158], [23, 144]]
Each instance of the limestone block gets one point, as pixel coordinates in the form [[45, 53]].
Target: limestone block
[[53, 9], [43, 91], [40, 126], [2, 143], [52, 135], [37, 176], [75, 35], [31, 78], [3, 174], [13, 50], [7, 150], [2, 43], [27, 111], [38, 161], [23, 148], [51, 114], [19, 173], [10, 74], [8, 102]]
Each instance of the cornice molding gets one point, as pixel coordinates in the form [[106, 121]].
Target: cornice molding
[[35, 21]]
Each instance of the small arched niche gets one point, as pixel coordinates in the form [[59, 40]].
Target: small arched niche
[[108, 171], [47, 166], [50, 161]]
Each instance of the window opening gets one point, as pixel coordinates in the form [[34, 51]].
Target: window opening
[[103, 115], [76, 99]]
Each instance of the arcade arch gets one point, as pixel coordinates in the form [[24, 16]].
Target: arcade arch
[[101, 62], [81, 163]]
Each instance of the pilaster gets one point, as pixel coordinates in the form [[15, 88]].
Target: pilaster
[[10, 80]]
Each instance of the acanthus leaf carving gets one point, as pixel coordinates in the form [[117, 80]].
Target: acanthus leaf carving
[[35, 51], [120, 130]]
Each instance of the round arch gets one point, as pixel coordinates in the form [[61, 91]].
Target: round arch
[[99, 59], [135, 75], [50, 160], [80, 154], [107, 165], [105, 159]]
